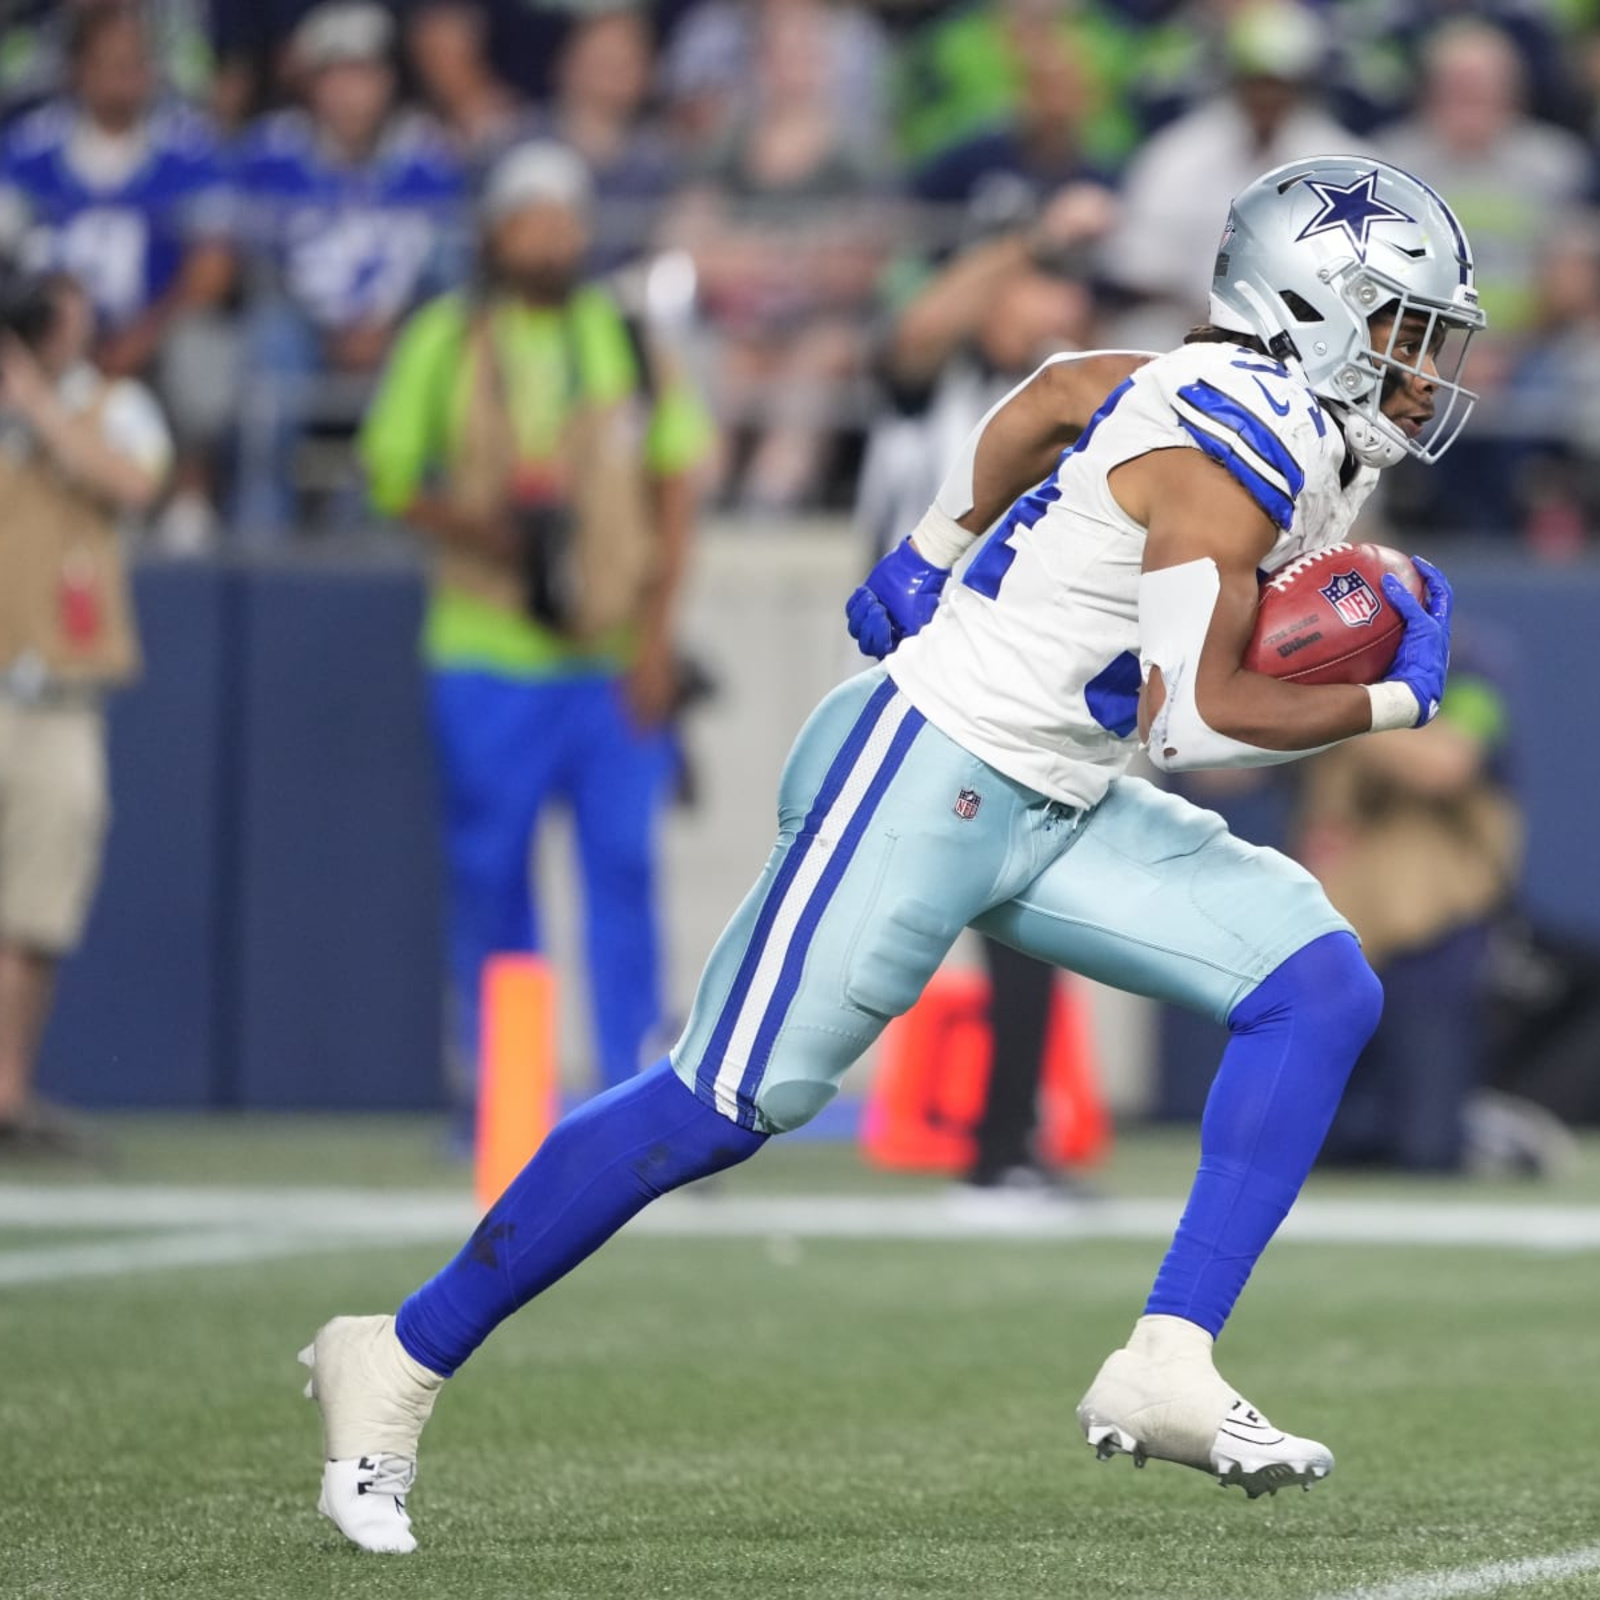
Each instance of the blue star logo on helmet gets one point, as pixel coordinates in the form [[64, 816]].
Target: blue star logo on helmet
[[1350, 209]]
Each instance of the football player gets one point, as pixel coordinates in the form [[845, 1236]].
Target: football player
[[977, 778]]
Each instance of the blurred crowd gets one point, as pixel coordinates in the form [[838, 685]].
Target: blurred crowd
[[256, 193]]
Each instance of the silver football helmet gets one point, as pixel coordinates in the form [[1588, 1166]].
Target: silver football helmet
[[1313, 251]]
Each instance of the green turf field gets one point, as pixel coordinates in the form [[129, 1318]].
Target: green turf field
[[775, 1414]]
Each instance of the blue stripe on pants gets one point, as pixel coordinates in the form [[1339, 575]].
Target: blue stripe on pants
[[849, 752], [795, 959]]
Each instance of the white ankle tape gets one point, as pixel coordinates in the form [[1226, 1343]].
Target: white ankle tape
[[1169, 1335]]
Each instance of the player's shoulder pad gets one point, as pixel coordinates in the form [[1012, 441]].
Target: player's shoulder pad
[[1251, 415]]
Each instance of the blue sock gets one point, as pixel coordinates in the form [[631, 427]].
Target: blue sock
[[600, 1166], [1295, 1038]]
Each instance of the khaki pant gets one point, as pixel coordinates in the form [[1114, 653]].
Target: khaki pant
[[53, 813]]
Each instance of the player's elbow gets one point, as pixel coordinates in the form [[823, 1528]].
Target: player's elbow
[[1207, 732], [1180, 738], [1188, 743], [1167, 757], [1189, 748]]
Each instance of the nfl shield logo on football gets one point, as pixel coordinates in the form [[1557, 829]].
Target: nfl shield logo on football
[[1353, 598], [967, 803]]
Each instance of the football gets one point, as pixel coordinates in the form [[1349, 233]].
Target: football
[[1326, 619]]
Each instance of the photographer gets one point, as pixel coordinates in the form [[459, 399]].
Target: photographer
[[78, 453], [538, 440]]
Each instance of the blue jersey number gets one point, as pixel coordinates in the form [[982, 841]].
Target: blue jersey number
[[993, 561]]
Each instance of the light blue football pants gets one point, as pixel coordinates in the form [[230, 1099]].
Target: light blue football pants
[[892, 839]]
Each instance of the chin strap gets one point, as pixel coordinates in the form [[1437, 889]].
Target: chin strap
[[1373, 441]]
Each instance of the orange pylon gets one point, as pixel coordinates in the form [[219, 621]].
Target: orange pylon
[[933, 1075], [517, 1079]]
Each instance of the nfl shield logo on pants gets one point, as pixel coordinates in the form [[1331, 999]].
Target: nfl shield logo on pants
[[967, 803], [1353, 598]]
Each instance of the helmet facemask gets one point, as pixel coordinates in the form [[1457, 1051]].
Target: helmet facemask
[[1421, 333]]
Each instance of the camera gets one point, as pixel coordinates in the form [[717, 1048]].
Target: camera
[[548, 548], [27, 305]]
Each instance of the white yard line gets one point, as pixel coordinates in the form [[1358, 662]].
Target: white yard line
[[943, 1217], [154, 1252], [140, 1207], [379, 1214], [1491, 1578], [183, 1226]]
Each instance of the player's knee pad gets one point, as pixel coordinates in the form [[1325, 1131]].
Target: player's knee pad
[[1326, 985], [792, 1102]]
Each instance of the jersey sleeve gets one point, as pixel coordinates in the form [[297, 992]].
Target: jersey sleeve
[[1251, 417]]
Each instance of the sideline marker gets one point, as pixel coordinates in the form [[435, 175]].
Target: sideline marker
[[933, 1076], [517, 1080]]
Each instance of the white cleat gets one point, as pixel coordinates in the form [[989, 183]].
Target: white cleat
[[365, 1499], [374, 1400], [1160, 1399]]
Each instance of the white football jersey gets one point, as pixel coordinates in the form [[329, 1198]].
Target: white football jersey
[[1032, 660]]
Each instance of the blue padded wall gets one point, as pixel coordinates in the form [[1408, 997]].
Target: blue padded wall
[[338, 999]]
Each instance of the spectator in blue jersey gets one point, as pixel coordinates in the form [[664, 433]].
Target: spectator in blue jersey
[[128, 194], [352, 209]]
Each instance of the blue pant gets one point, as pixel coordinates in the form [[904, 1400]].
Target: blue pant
[[506, 749], [892, 839]]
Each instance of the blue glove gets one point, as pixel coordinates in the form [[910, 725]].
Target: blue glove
[[901, 593], [1423, 659]]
